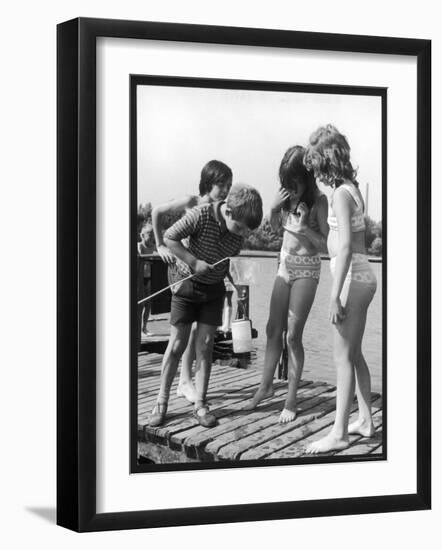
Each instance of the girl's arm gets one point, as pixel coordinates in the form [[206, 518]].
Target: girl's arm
[[319, 239], [343, 211], [171, 207], [275, 211]]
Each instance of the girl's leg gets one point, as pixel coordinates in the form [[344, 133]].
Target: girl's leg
[[301, 300], [179, 335], [275, 326], [185, 385], [346, 347], [364, 424]]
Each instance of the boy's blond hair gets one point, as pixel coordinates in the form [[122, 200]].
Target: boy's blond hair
[[245, 204]]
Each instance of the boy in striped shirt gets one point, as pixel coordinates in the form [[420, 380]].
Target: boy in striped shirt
[[215, 231]]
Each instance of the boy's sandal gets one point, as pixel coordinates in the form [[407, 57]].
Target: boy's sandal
[[158, 415], [204, 417]]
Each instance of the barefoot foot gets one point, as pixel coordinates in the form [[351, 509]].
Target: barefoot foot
[[260, 395], [327, 444], [366, 429], [287, 416], [187, 390]]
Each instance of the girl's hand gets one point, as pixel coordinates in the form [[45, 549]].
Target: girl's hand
[[336, 312], [200, 267], [165, 254], [281, 196], [303, 213]]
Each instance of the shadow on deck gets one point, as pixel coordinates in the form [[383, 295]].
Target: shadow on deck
[[241, 435]]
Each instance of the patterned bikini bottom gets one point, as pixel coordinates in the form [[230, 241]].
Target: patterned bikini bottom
[[293, 267]]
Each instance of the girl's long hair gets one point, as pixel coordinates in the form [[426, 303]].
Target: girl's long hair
[[292, 168], [328, 156]]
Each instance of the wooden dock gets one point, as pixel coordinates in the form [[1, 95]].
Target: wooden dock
[[240, 434]]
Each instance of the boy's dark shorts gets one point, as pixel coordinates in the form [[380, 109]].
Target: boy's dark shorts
[[195, 301]]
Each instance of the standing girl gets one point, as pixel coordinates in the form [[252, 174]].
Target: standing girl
[[302, 212], [353, 287]]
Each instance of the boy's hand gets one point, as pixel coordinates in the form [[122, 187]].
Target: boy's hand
[[281, 196], [200, 267], [165, 254]]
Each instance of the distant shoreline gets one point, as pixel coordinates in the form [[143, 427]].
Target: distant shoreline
[[260, 254]]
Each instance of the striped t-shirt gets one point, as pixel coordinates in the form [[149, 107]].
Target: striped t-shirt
[[208, 241]]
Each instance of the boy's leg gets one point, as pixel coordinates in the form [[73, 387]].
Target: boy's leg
[[275, 326], [179, 336], [204, 347]]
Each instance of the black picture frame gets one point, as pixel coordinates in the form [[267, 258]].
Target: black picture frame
[[76, 274]]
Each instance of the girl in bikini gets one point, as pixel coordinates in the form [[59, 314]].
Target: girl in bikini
[[353, 287], [302, 212]]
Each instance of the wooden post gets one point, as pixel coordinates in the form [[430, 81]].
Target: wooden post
[[283, 360], [242, 309]]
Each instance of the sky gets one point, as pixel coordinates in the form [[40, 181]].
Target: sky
[[179, 129]]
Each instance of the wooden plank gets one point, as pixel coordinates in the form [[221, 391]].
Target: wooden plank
[[214, 398], [146, 382], [216, 385], [249, 423], [178, 405], [360, 445], [198, 436], [250, 435], [303, 437], [237, 415], [219, 406], [271, 429], [289, 436], [147, 389]]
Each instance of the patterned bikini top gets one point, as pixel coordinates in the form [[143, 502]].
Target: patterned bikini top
[[357, 219]]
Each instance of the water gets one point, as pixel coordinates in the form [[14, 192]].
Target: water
[[318, 331]]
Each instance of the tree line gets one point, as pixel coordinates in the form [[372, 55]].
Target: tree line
[[264, 238]]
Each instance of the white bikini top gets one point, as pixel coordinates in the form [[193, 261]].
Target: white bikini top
[[357, 219]]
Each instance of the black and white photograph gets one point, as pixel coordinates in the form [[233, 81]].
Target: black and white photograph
[[258, 268]]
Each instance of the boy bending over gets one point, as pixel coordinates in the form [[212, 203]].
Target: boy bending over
[[215, 232]]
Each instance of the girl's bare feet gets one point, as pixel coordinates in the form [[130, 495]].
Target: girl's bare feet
[[327, 444], [364, 428], [287, 416], [260, 395]]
